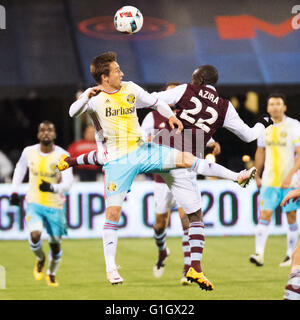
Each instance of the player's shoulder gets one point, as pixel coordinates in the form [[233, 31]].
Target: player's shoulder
[[31, 148], [132, 86], [292, 121], [60, 150]]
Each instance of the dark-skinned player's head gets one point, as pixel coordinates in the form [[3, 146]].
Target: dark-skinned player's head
[[46, 132], [204, 75]]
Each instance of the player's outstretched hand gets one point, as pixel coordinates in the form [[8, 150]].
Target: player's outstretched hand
[[94, 91], [265, 119], [173, 121], [14, 199], [293, 194], [46, 187]]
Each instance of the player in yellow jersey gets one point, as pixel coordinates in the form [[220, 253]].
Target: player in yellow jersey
[[112, 107], [45, 198], [276, 151]]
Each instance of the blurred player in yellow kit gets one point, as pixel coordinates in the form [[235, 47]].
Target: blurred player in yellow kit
[[45, 198], [276, 152]]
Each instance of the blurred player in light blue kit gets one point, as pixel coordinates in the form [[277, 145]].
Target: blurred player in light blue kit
[[276, 152], [45, 198]]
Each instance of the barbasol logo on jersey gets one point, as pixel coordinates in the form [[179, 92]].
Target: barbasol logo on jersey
[[109, 112]]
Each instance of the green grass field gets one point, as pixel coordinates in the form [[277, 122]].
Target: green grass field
[[82, 271]]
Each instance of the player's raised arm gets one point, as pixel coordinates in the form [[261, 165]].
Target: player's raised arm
[[237, 126], [145, 99], [171, 96], [81, 105]]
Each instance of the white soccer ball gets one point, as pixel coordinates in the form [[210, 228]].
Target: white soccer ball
[[128, 20]]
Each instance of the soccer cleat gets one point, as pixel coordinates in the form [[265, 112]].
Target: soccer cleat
[[51, 280], [38, 270], [62, 164], [292, 289], [198, 277], [286, 262], [245, 176], [184, 281], [114, 278], [257, 259], [159, 268]]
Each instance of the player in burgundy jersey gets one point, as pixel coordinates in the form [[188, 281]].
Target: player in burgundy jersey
[[182, 187]]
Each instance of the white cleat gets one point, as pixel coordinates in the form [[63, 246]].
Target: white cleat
[[287, 262], [114, 278], [245, 176], [159, 268], [184, 281], [257, 259]]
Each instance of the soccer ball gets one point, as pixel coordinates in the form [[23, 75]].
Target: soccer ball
[[128, 20]]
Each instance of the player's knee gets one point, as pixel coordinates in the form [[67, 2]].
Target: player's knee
[[55, 249], [35, 236], [184, 160], [266, 215], [196, 216], [291, 217], [161, 222], [113, 213]]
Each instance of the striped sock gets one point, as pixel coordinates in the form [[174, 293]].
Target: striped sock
[[186, 251], [36, 248], [54, 261], [110, 240], [292, 289], [196, 241], [292, 238], [86, 158], [261, 236], [160, 240]]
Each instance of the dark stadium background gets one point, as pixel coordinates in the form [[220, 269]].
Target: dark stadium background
[[47, 46]]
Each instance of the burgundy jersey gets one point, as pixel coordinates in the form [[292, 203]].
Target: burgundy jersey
[[201, 107]]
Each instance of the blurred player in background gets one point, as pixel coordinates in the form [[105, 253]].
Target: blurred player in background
[[45, 198], [85, 145], [276, 150], [292, 289], [112, 106], [165, 198]]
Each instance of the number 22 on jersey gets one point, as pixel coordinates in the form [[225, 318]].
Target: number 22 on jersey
[[200, 123]]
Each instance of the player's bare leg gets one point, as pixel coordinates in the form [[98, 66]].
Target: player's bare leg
[[160, 235], [185, 245], [36, 247], [292, 289], [196, 241], [110, 240]]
